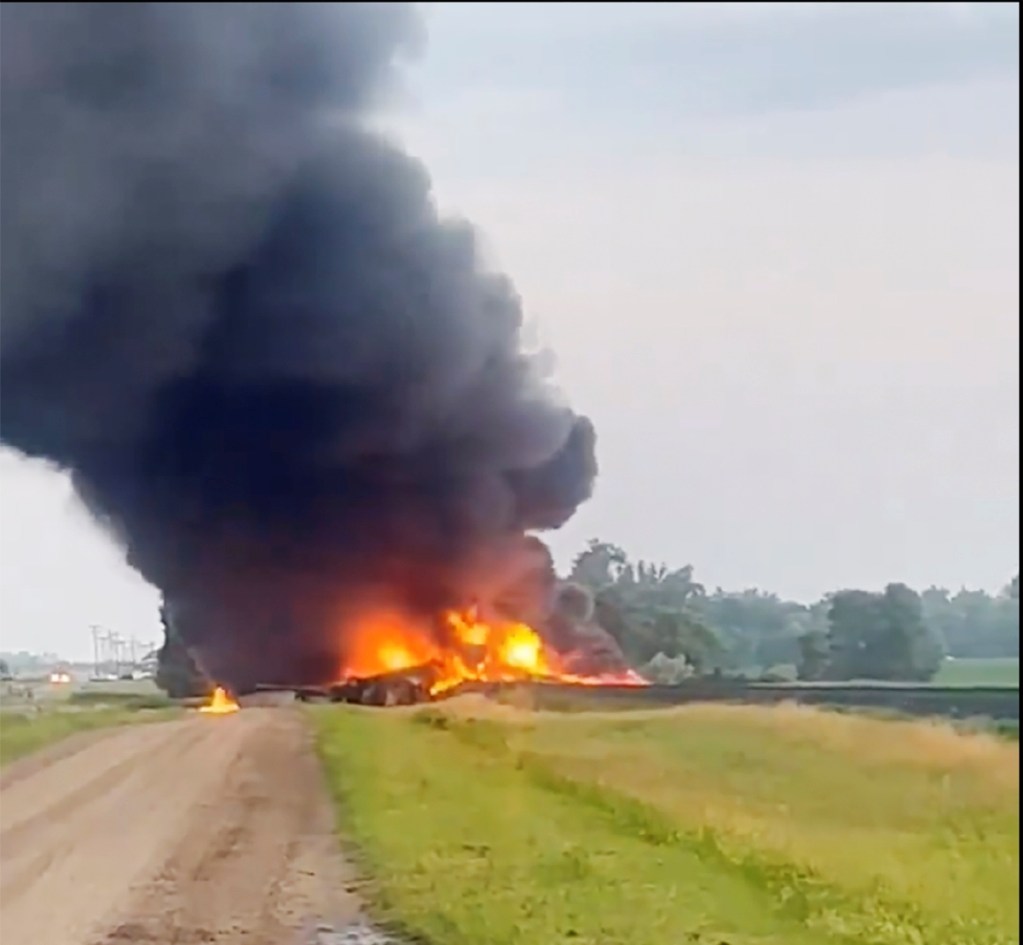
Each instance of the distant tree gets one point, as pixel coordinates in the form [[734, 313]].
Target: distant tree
[[5, 670], [812, 664], [652, 609], [759, 628], [177, 672], [659, 586], [702, 648], [873, 636], [908, 648], [855, 624], [1007, 619], [973, 623], [648, 608], [598, 566]]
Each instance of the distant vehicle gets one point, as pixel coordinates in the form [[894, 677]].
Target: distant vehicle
[[60, 677]]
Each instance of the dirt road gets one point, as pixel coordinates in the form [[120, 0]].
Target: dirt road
[[192, 831]]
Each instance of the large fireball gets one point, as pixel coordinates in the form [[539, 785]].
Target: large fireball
[[468, 649]]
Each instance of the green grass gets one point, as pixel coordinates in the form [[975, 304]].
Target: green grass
[[705, 824], [979, 672], [13, 693], [124, 700], [21, 734]]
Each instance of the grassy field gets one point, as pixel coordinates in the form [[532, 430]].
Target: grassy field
[[979, 672], [1000, 671], [705, 824], [21, 734], [24, 729]]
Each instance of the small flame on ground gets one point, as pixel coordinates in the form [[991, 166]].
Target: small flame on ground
[[480, 651], [220, 703]]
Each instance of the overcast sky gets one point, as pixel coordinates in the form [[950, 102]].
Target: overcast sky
[[774, 248]]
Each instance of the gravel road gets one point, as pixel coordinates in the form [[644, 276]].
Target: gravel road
[[206, 829]]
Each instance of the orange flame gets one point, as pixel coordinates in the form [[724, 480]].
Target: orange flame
[[220, 703], [479, 651]]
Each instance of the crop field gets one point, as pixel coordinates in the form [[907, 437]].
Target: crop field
[[478, 822], [979, 672]]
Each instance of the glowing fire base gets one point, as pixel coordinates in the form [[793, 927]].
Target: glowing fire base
[[392, 659], [419, 685], [220, 704]]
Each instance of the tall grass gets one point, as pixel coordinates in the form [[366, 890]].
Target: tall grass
[[725, 824]]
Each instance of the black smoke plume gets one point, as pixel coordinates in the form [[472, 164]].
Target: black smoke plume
[[231, 310]]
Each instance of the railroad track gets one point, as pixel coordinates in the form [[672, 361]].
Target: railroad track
[[996, 702]]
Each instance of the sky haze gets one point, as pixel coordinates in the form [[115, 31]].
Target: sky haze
[[774, 248]]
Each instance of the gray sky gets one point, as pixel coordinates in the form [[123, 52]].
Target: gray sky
[[774, 248]]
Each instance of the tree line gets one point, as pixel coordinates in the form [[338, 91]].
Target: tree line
[[671, 626]]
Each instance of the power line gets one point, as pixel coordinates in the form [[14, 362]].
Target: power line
[[114, 655]]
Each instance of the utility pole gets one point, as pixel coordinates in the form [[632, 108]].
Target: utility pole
[[95, 628]]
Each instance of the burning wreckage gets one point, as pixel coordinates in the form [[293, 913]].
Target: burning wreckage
[[289, 387], [388, 658], [392, 664]]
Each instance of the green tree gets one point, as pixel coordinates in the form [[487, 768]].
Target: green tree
[[973, 623], [598, 566], [906, 647], [677, 633], [898, 634], [1007, 618], [759, 628], [814, 651], [873, 636], [648, 608], [854, 620], [702, 648]]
